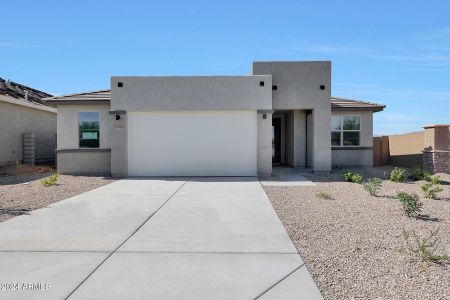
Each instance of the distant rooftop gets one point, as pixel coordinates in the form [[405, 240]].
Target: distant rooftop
[[19, 91], [19, 94]]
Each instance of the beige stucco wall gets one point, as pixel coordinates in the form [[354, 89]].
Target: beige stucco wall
[[119, 142], [296, 138], [290, 140], [351, 156], [298, 88], [264, 144], [344, 158], [17, 119], [165, 93], [298, 83], [435, 137], [309, 138], [405, 150], [190, 93], [82, 161], [409, 143], [68, 125]]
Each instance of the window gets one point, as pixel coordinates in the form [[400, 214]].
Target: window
[[345, 130], [89, 129]]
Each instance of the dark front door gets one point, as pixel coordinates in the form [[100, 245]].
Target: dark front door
[[276, 140]]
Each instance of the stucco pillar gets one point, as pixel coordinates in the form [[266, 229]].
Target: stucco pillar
[[264, 143], [118, 134], [321, 147], [436, 154], [436, 137]]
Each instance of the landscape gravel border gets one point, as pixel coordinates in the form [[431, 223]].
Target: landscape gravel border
[[24, 192], [353, 244]]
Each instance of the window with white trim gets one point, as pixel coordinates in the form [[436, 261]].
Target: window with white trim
[[89, 129], [345, 130]]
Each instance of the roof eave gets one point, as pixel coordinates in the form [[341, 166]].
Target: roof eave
[[24, 103], [359, 108], [55, 102]]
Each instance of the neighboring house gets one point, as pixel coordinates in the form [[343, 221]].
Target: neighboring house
[[21, 112], [214, 125]]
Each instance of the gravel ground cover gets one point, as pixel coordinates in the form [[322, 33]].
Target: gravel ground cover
[[21, 190], [353, 243]]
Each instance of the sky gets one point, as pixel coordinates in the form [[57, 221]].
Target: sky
[[392, 52]]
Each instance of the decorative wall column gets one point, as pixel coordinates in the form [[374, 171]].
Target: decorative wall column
[[118, 135], [436, 154]]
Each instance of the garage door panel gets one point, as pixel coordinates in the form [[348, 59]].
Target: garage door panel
[[192, 143]]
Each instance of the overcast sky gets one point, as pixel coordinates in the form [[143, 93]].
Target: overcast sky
[[392, 52]]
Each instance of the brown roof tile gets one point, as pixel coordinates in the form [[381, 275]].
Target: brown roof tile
[[102, 95], [346, 104]]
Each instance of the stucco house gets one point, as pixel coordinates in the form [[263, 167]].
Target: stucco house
[[28, 126], [214, 125]]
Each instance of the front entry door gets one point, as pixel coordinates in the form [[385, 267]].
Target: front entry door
[[276, 140]]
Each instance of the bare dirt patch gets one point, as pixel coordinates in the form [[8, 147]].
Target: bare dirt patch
[[23, 169], [21, 190], [353, 244]]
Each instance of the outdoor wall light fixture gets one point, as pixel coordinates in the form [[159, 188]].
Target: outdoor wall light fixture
[[322, 87], [274, 87], [261, 83], [264, 116], [120, 84], [117, 117]]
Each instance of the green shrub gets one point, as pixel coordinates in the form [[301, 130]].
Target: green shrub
[[418, 173], [348, 176], [373, 185], [357, 178], [353, 177], [431, 190], [436, 180], [51, 180], [324, 195], [410, 203], [398, 175], [426, 176], [426, 247]]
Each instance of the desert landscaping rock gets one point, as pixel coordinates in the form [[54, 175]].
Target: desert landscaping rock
[[353, 244], [24, 192]]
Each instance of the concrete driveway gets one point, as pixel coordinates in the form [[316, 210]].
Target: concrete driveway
[[190, 238]]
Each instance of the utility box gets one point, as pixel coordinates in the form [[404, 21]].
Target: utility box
[[28, 148]]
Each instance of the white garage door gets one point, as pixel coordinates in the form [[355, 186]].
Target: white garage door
[[192, 143]]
